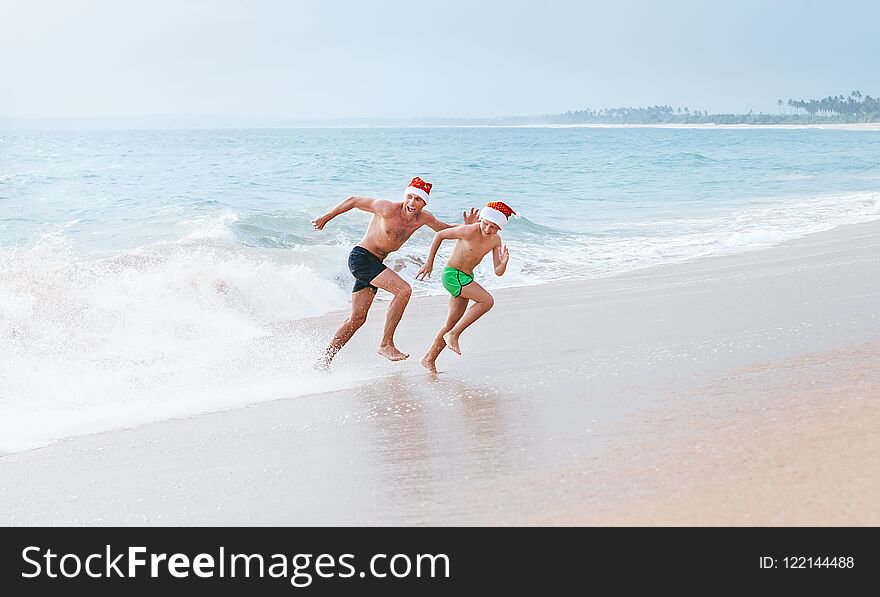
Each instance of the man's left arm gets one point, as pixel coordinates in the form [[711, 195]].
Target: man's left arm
[[436, 225]]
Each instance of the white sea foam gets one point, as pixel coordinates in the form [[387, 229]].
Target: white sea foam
[[215, 227], [93, 344], [751, 228]]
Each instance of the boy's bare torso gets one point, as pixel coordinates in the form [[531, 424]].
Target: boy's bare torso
[[470, 250]]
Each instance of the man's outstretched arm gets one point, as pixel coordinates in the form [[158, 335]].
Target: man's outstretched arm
[[362, 203], [436, 225]]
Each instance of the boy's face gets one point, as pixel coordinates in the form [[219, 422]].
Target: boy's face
[[413, 204], [488, 228]]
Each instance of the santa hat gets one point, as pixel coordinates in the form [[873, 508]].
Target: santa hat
[[497, 213], [419, 188]]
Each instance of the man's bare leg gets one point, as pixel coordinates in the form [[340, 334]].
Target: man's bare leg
[[390, 281], [457, 306], [360, 306], [483, 301]]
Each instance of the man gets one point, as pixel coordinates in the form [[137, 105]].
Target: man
[[391, 225]]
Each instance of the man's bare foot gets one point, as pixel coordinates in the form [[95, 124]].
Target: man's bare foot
[[452, 342], [429, 364], [323, 362], [391, 353]]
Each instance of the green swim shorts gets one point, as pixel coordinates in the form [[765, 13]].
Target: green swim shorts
[[454, 280]]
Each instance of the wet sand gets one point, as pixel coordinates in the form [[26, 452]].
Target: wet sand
[[738, 389], [791, 443]]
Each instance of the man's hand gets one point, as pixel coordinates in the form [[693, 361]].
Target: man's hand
[[425, 271], [319, 223], [471, 218]]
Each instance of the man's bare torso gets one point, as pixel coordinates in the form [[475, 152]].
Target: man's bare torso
[[387, 233]]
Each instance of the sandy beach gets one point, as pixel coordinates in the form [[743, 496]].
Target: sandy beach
[[733, 390]]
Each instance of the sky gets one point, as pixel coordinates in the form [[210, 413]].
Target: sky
[[327, 59]]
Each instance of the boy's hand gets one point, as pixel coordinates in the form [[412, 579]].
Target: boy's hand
[[504, 255], [472, 217], [319, 223], [425, 271]]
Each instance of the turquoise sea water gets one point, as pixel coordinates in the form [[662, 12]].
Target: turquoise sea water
[[595, 200], [137, 267]]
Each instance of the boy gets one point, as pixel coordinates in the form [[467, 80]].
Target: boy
[[474, 241]]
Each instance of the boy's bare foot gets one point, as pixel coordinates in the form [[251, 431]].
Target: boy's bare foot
[[429, 364], [391, 353], [452, 342]]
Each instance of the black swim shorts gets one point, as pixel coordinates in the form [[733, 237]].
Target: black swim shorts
[[364, 267]]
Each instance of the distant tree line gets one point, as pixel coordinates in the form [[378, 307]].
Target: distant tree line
[[853, 108], [648, 115], [856, 106]]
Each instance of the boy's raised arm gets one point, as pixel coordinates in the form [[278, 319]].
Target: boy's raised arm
[[363, 203], [500, 257]]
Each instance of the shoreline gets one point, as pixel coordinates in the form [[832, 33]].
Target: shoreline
[[584, 365], [867, 126]]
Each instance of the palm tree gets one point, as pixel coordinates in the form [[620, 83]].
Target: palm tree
[[779, 103]]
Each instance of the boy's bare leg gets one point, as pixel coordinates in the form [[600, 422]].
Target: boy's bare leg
[[390, 281], [483, 301], [457, 306], [360, 306]]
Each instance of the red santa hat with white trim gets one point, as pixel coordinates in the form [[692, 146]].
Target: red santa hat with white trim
[[498, 213], [420, 188]]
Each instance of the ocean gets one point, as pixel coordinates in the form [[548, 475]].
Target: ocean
[[154, 274]]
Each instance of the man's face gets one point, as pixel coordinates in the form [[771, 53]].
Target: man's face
[[488, 228], [413, 204]]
